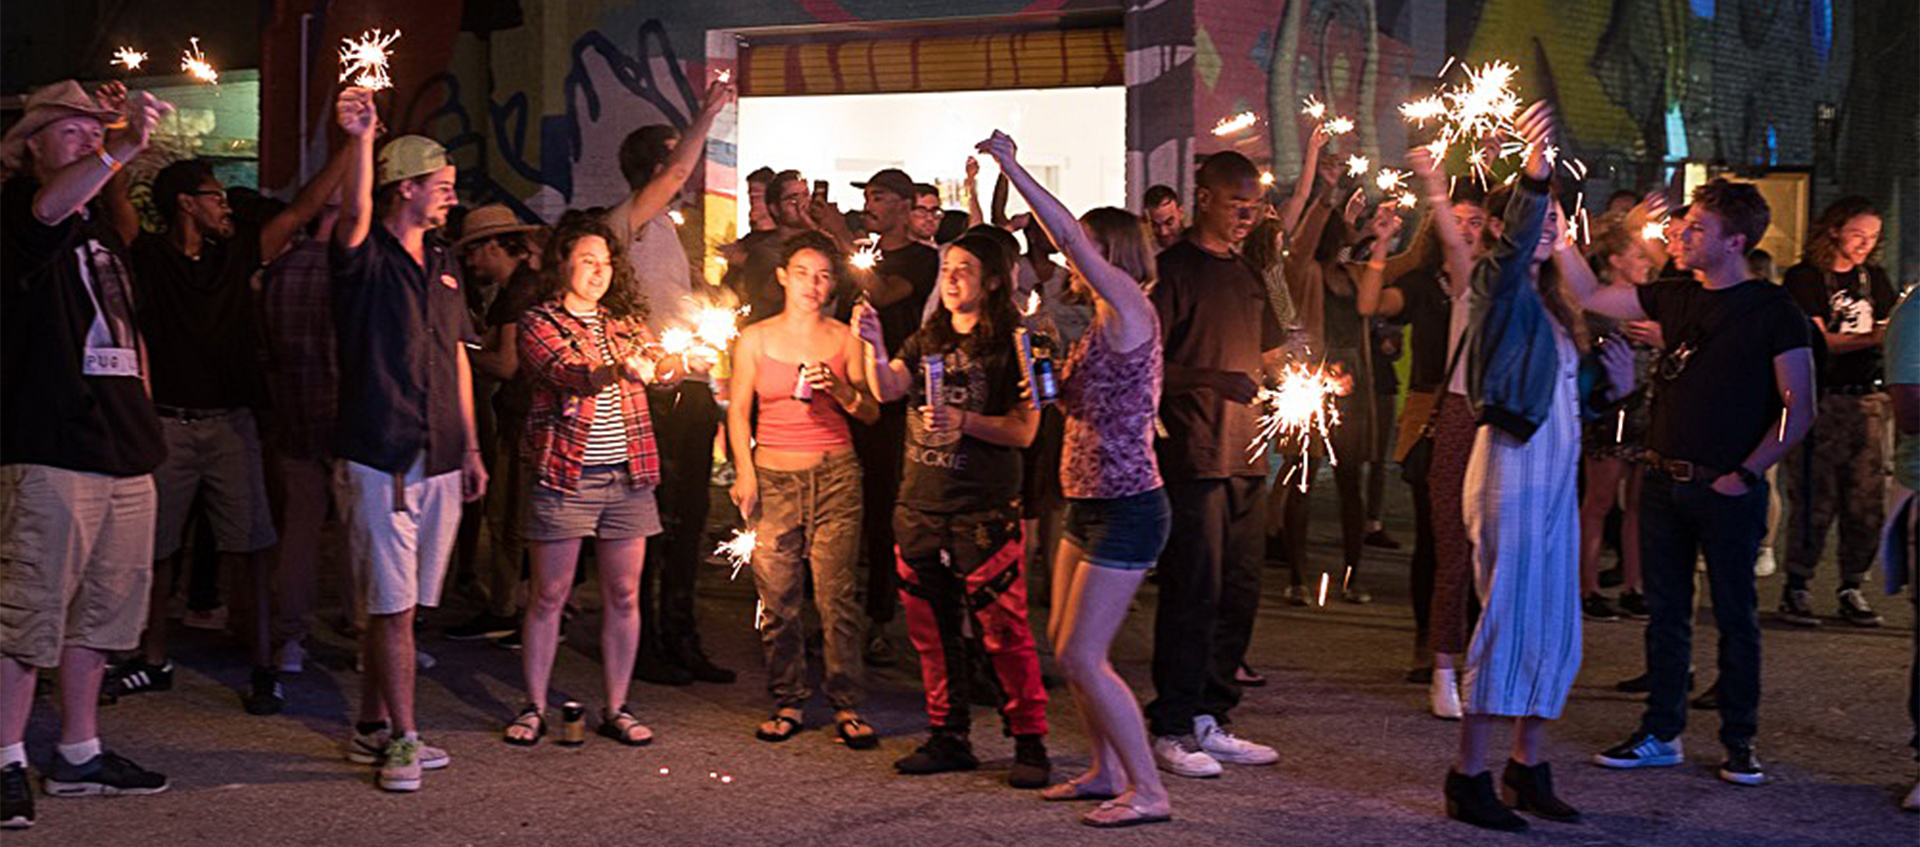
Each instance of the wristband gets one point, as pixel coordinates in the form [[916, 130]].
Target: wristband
[[107, 159], [1376, 265]]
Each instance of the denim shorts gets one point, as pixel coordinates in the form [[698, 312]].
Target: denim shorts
[[1122, 533], [605, 507]]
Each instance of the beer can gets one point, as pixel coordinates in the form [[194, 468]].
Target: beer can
[[936, 387], [802, 388], [573, 724]]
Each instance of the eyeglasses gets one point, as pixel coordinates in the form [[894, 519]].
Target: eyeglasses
[[218, 194], [925, 210]]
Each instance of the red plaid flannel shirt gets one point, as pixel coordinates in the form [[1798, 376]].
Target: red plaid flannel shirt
[[558, 354]]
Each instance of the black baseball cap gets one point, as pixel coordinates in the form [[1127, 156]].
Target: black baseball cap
[[891, 179]]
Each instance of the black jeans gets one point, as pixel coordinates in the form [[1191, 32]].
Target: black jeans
[[1209, 594], [879, 447], [1678, 521], [685, 418]]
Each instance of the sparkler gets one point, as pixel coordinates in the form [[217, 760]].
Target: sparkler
[[365, 59], [868, 256], [677, 218], [1358, 165], [1654, 231], [723, 77], [1300, 408], [1033, 303], [1313, 108], [1229, 126], [1266, 179], [1484, 106], [195, 64], [1389, 180], [1339, 126], [1324, 579], [1408, 200], [759, 615], [1425, 109], [738, 550], [128, 58]]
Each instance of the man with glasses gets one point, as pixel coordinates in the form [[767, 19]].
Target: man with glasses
[[923, 220], [750, 272], [193, 284]]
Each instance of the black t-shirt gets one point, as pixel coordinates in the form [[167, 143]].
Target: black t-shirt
[[200, 320], [753, 280], [919, 265], [1213, 315], [514, 398], [71, 363], [400, 325], [950, 472], [1724, 400], [1428, 310], [1847, 303]]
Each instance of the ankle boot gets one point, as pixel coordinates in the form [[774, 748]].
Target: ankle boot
[[1530, 789], [1443, 694], [1470, 799]]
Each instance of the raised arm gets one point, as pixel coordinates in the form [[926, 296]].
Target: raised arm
[[1303, 186], [1453, 242], [975, 217], [75, 185], [312, 198], [1133, 322], [356, 115], [651, 199], [1372, 300]]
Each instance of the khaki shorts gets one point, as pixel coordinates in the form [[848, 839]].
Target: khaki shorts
[[76, 560], [400, 555], [218, 458], [604, 507]]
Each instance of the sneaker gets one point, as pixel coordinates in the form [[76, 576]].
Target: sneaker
[[1379, 538], [1181, 756], [292, 658], [1633, 604], [1764, 565], [105, 774], [1742, 767], [1854, 608], [400, 768], [944, 752], [370, 748], [512, 641], [135, 676], [214, 619], [1796, 607], [1356, 595], [263, 696], [1643, 750], [1297, 595], [1032, 768], [1596, 607], [481, 627], [16, 797], [1228, 749]]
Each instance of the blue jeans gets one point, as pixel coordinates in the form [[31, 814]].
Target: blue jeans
[[1678, 521]]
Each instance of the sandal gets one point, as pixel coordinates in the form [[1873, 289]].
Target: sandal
[[531, 718], [623, 727], [849, 729], [1069, 791], [1115, 815], [786, 726]]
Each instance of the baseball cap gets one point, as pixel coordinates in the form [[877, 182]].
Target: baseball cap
[[407, 157], [890, 179]]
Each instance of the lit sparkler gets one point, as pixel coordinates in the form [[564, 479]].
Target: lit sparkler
[[128, 58], [1229, 126], [723, 77], [677, 218], [1266, 179], [1427, 108], [1324, 580], [1389, 180], [364, 60], [1033, 303], [759, 615], [1339, 126], [1358, 165], [867, 257], [1654, 231], [738, 550], [1484, 106], [1313, 108], [194, 63], [1300, 408], [1408, 200], [716, 327]]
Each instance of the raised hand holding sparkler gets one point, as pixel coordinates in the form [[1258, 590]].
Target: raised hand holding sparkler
[[1535, 128]]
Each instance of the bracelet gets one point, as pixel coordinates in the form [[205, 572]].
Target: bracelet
[[107, 159], [1376, 265]]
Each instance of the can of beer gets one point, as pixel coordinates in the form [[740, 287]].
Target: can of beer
[[802, 388], [573, 724], [936, 388]]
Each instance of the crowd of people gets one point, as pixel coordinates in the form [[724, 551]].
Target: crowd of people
[[942, 396]]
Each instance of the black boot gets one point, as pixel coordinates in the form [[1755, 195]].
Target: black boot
[[944, 751], [1470, 799], [1530, 789], [1031, 766]]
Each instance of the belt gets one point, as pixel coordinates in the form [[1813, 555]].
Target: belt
[[1850, 390], [1681, 470], [184, 414]]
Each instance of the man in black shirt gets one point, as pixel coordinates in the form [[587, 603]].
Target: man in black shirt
[[406, 429], [1734, 394], [1838, 474], [78, 439], [1217, 327]]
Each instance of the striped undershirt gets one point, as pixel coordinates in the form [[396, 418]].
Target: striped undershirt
[[607, 440]]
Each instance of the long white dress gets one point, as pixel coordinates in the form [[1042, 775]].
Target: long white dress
[[1522, 511]]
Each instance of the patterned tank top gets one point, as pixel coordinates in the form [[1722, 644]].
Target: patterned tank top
[[1110, 400]]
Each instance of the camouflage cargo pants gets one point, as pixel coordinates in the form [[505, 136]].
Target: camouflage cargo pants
[[1838, 475]]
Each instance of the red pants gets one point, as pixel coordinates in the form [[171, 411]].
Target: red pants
[[961, 583]]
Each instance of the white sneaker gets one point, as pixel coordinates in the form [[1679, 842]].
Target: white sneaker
[[1182, 757], [1443, 694], [371, 749], [1224, 747], [1764, 564], [293, 657]]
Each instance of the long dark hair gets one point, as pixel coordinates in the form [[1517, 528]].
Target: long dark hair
[[1824, 245], [623, 299], [998, 316]]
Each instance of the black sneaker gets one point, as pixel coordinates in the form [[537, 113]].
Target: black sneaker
[[1596, 607], [943, 752], [483, 626], [1796, 607], [104, 774], [263, 696], [1031, 766], [1633, 604], [16, 797], [1742, 767], [1379, 538], [135, 676], [1854, 608]]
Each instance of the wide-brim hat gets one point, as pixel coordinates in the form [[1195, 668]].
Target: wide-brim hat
[[488, 221], [63, 99]]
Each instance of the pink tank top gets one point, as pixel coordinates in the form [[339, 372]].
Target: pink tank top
[[816, 423]]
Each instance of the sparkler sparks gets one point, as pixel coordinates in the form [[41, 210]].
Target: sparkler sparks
[[723, 77], [1229, 126], [1313, 108], [1324, 580], [1484, 106], [194, 63], [128, 58], [1389, 180], [677, 218], [1358, 165], [867, 257], [1408, 201], [1266, 179], [1654, 231], [1300, 408], [1339, 126], [364, 60], [1425, 109], [738, 550], [1033, 303]]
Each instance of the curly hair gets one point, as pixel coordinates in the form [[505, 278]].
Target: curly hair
[[1741, 209], [1824, 243], [623, 298]]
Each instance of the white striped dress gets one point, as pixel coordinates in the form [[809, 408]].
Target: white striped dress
[[1522, 511]]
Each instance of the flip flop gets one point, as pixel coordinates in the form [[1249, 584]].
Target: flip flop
[[857, 741], [1070, 791], [789, 726], [1133, 816]]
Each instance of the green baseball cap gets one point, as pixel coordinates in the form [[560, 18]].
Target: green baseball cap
[[407, 157]]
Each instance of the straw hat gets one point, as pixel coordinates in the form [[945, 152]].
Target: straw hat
[[488, 221], [63, 99]]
